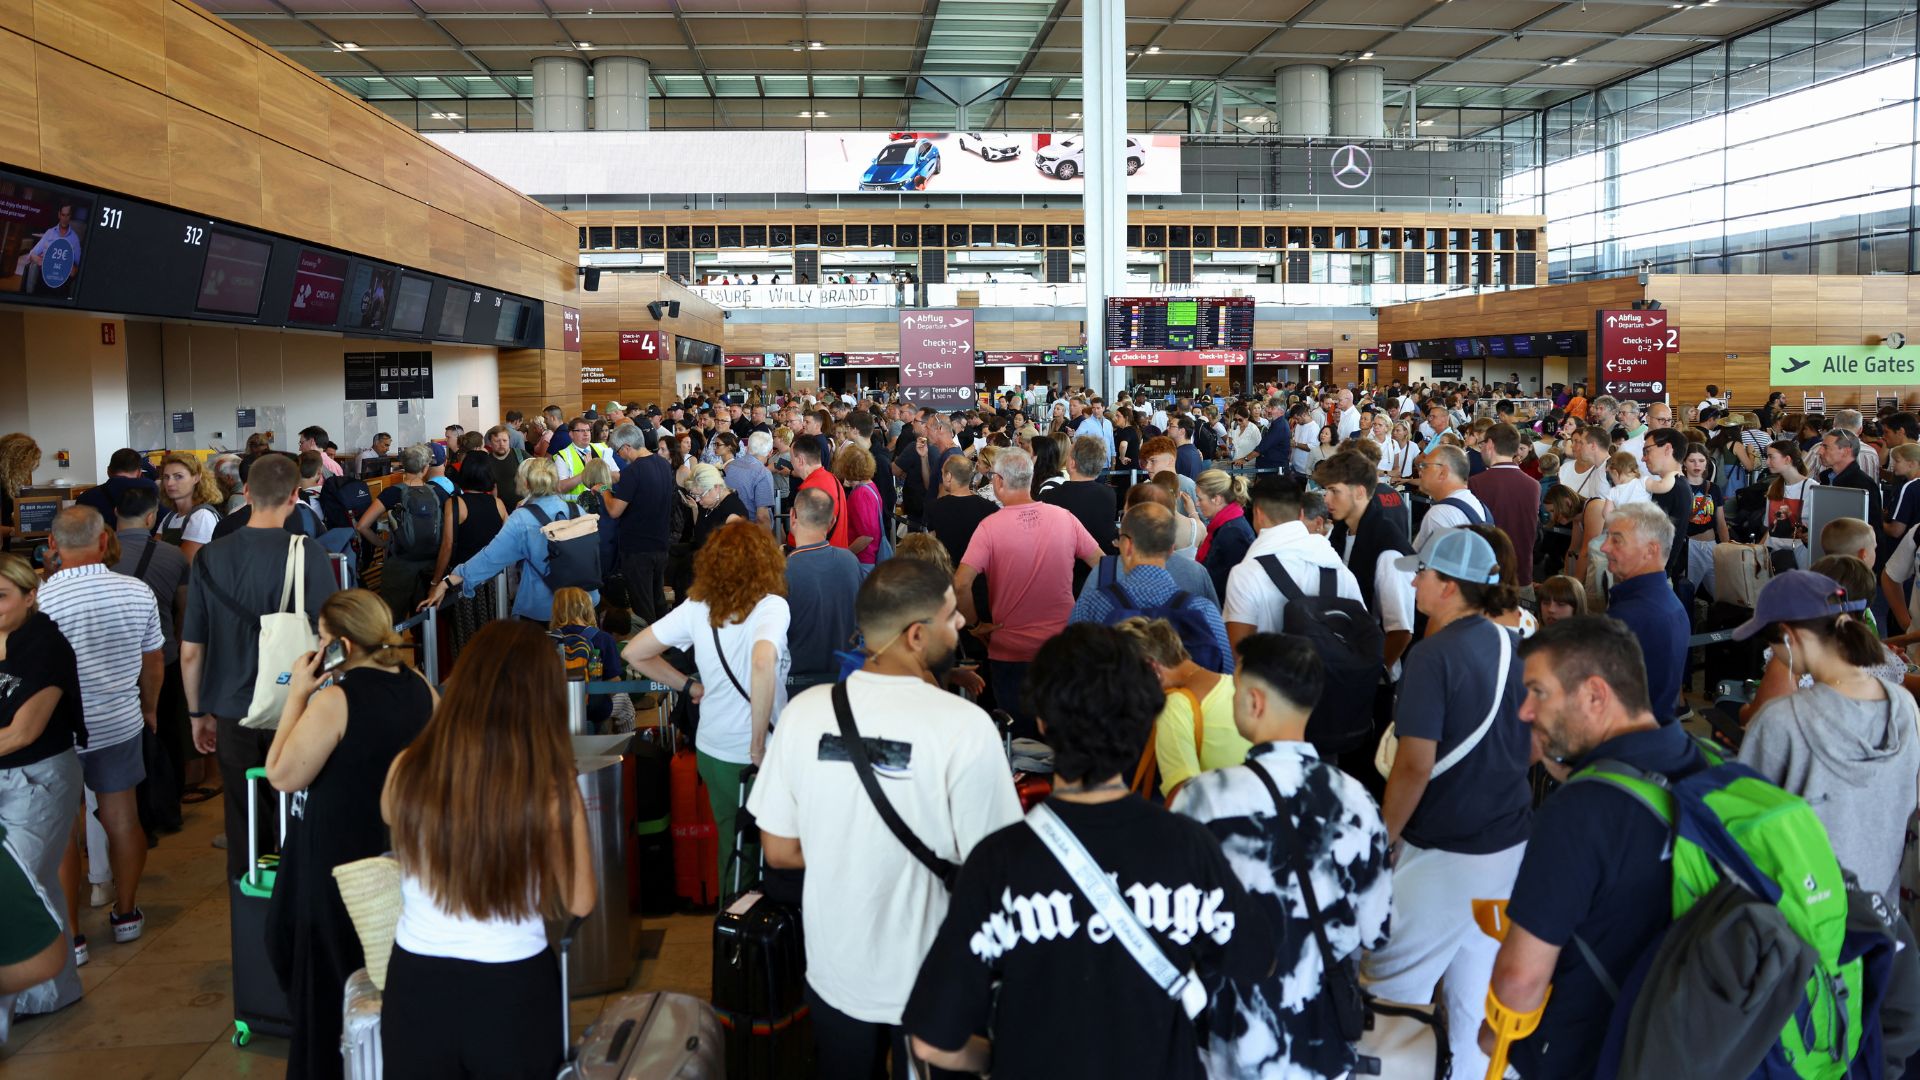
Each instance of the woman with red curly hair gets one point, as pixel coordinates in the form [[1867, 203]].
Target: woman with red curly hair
[[735, 618]]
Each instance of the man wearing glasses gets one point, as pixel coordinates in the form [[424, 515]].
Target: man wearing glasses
[[1443, 476], [572, 459]]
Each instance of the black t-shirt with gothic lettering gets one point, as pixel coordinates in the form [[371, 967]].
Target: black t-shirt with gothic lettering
[[1071, 1000]]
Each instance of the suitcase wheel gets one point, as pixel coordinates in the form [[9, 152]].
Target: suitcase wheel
[[242, 1034]]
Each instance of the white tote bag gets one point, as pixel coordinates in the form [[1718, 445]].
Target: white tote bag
[[285, 636]]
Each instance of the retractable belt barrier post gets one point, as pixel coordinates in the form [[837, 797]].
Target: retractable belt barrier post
[[429, 623], [502, 603]]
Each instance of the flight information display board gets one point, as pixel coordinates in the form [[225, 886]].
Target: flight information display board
[[1179, 323], [63, 244]]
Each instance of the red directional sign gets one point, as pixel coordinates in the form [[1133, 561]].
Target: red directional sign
[[1632, 358], [639, 344], [936, 357], [1175, 357]]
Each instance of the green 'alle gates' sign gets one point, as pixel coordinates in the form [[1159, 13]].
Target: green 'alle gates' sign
[[1843, 365]]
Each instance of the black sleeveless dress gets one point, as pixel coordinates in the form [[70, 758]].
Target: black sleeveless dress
[[483, 523], [335, 821]]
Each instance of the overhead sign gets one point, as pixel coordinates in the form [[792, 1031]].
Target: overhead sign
[[736, 297], [1009, 359], [936, 353], [1632, 360], [1293, 356], [1843, 365], [639, 344], [1351, 166], [940, 397], [1449, 369], [984, 163], [1175, 357], [570, 329]]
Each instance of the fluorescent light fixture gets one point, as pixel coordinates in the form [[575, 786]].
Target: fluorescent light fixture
[[1366, 56], [1151, 49], [446, 116], [583, 45], [346, 46], [816, 45]]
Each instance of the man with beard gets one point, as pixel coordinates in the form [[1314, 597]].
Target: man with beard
[[945, 776], [1596, 869]]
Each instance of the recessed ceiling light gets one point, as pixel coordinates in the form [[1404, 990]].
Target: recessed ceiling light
[[1366, 56], [583, 45], [446, 116], [1571, 60], [346, 46], [816, 44], [1151, 49]]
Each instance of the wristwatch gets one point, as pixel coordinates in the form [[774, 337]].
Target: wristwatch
[[687, 686]]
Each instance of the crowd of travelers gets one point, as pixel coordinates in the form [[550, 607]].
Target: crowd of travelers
[[1365, 710]]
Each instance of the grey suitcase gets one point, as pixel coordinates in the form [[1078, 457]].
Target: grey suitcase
[[360, 1029], [657, 1036]]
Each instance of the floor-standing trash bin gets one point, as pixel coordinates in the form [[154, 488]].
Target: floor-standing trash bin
[[603, 954]]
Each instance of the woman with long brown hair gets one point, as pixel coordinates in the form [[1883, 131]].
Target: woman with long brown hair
[[735, 619], [352, 705], [19, 456], [491, 835]]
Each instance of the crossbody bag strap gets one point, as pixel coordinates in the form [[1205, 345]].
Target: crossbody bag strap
[[1459, 753], [1098, 888], [291, 579], [863, 768], [726, 667], [146, 557], [1297, 859]]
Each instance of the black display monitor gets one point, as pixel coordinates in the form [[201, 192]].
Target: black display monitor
[[1466, 348], [44, 232], [368, 304], [510, 323], [319, 280], [454, 306], [234, 276], [409, 315]]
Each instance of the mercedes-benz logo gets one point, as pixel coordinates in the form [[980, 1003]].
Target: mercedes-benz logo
[[1352, 166]]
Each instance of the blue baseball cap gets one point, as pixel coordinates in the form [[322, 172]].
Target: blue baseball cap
[[1794, 596], [439, 453], [1458, 553]]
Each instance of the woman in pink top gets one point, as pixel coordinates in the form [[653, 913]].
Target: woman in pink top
[[853, 466]]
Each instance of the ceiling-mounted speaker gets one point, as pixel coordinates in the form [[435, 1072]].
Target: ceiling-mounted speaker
[[673, 309], [590, 278], [657, 309]]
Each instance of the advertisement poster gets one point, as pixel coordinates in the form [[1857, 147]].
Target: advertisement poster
[[992, 162], [317, 283], [1844, 365], [936, 358], [1633, 354], [42, 234]]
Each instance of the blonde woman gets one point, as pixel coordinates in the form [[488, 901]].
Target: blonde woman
[[19, 456], [714, 502], [1401, 455], [191, 496]]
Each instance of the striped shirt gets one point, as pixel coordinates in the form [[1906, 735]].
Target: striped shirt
[[111, 620]]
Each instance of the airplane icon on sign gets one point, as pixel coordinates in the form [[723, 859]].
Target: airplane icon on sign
[[1794, 364]]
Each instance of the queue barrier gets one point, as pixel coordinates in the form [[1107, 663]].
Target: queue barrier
[[428, 620]]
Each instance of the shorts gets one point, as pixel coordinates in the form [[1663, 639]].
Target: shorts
[[114, 768]]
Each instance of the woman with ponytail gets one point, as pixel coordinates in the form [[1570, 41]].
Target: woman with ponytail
[[1845, 741], [1222, 498], [352, 706]]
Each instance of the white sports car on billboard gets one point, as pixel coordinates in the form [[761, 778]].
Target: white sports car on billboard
[[991, 146], [1064, 159]]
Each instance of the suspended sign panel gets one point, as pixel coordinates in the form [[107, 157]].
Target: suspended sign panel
[[995, 163]]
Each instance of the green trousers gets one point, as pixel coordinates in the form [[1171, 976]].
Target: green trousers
[[726, 794]]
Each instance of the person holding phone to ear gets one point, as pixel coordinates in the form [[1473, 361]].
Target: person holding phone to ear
[[352, 706]]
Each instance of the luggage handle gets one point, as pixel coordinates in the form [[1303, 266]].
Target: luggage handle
[[253, 824], [566, 996]]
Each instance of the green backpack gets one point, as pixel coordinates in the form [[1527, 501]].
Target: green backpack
[[1730, 824]]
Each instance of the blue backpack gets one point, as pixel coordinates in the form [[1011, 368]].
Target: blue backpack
[[1188, 622]]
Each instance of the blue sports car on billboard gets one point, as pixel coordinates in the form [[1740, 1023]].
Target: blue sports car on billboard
[[902, 166]]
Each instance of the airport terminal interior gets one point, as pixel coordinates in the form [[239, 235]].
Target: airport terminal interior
[[1409, 439]]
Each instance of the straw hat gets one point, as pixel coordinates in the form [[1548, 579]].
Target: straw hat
[[370, 888]]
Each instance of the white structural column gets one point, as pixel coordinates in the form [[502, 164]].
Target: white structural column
[[1305, 103], [1103, 79], [559, 93], [1359, 102], [620, 93]]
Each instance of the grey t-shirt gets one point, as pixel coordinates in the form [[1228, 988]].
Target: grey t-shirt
[[248, 566], [166, 574], [1853, 761], [822, 582]]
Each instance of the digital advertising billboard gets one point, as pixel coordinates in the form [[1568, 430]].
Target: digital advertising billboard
[[968, 162]]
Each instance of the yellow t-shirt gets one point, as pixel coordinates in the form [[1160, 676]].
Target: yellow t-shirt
[[1221, 744]]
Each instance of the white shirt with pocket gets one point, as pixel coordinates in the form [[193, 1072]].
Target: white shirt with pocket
[[726, 715], [941, 765]]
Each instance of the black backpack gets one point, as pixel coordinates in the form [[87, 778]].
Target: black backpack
[[1350, 645], [413, 526], [343, 500], [1191, 625], [572, 563]]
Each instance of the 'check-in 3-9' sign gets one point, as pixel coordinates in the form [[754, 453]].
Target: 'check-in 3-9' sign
[[1634, 346], [936, 357]]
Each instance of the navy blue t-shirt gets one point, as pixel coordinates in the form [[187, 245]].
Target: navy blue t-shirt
[[1483, 804], [1647, 605], [1188, 462], [646, 486], [106, 497], [1597, 867], [1276, 447]]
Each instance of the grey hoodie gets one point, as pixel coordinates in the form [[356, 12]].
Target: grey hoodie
[[1857, 763]]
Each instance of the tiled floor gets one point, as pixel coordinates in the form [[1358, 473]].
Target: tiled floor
[[161, 1008]]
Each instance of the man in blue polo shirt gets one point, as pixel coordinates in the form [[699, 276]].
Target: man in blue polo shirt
[[1638, 537], [1276, 446], [1596, 870]]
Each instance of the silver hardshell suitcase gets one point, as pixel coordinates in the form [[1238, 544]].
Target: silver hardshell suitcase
[[360, 1029], [657, 1036]]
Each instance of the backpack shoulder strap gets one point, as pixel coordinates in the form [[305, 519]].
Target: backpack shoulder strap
[[1281, 579], [1474, 517], [1199, 719], [540, 517], [1329, 583], [146, 557], [863, 767]]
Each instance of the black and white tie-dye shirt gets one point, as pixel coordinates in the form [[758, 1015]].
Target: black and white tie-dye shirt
[[1282, 1026]]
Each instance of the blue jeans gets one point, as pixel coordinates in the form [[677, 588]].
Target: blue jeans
[[1007, 678]]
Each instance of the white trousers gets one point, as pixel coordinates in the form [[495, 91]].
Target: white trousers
[[1436, 948]]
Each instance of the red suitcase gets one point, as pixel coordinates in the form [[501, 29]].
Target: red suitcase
[[696, 845]]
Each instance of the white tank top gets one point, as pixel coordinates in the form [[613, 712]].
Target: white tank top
[[427, 929]]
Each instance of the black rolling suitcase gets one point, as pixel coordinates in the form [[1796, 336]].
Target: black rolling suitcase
[[259, 1004], [760, 978]]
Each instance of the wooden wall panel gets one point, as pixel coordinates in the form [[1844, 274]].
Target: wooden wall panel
[[215, 166], [212, 71], [98, 128], [126, 37], [19, 117]]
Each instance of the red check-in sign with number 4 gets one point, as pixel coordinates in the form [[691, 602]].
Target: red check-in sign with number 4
[[639, 344], [1634, 347]]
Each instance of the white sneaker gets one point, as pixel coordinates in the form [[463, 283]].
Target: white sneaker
[[103, 894]]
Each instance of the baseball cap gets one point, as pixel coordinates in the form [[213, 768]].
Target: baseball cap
[[439, 452], [1794, 596], [1458, 553]]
